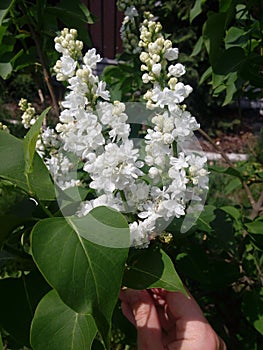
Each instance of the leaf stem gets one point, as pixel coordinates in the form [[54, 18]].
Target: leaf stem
[[45, 209]]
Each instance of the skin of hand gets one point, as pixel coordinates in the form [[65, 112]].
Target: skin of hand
[[168, 321]]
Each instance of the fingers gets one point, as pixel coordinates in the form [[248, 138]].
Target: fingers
[[184, 307], [185, 326], [193, 332], [139, 308]]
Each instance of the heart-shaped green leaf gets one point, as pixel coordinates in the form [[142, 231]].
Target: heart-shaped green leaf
[[56, 326], [86, 272]]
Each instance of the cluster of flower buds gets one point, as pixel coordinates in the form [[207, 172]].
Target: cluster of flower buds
[[156, 57], [70, 48], [4, 127], [67, 43], [30, 115], [128, 31]]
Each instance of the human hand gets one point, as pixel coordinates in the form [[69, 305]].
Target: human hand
[[168, 321]]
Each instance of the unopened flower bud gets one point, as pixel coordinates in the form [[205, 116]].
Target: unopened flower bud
[[144, 67], [144, 56], [172, 82]]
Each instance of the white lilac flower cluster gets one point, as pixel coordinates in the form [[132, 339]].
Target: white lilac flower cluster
[[183, 175], [151, 190]]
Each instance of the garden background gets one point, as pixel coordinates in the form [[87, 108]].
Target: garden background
[[220, 258]]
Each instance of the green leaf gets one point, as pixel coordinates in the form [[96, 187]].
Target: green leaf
[[31, 140], [231, 88], [205, 219], [230, 61], [5, 69], [218, 81], [252, 307], [232, 211], [55, 326], [213, 34], [86, 13], [205, 75], [152, 268], [1, 343], [198, 46], [110, 71], [19, 298], [255, 230], [12, 165], [233, 185], [235, 37], [116, 92], [225, 5], [197, 9], [83, 259], [66, 13], [73, 15], [5, 7], [25, 59], [255, 227]]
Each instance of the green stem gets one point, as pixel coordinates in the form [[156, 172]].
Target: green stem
[[45, 210]]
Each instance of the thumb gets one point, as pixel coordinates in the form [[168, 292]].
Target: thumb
[[146, 320]]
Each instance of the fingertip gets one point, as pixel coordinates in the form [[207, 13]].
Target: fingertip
[[184, 306], [138, 306]]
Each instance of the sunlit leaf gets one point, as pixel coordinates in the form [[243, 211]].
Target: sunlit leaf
[[5, 6], [152, 269], [31, 140], [197, 9], [12, 165], [88, 254], [5, 69]]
